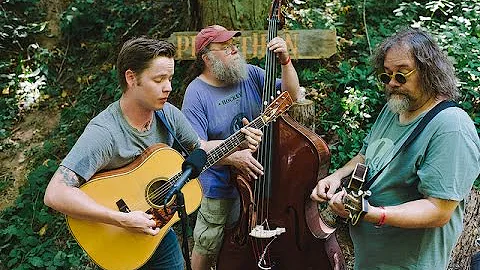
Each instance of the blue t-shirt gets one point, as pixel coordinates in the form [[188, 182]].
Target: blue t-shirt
[[442, 162], [216, 113]]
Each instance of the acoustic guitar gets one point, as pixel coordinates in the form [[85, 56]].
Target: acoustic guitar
[[143, 185]]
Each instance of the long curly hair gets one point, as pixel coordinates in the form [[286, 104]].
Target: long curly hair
[[437, 74]]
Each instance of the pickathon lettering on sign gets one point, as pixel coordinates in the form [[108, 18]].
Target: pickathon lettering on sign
[[302, 44]]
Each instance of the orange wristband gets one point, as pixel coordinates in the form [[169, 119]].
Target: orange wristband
[[383, 217], [286, 62]]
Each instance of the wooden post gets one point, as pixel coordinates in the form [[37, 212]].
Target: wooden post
[[303, 111], [466, 246]]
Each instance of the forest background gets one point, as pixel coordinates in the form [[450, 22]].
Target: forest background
[[53, 80]]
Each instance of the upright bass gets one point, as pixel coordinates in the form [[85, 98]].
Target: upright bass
[[272, 232]]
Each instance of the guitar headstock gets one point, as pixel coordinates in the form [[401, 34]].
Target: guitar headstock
[[280, 105], [356, 199], [358, 177]]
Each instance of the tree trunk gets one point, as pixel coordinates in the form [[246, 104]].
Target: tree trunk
[[466, 247], [234, 14], [54, 9], [303, 111]]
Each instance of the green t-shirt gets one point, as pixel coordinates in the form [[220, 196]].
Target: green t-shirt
[[109, 141], [442, 162]]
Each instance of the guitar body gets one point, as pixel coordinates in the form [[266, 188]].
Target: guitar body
[[112, 247]]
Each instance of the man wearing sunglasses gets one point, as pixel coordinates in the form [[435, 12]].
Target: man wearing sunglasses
[[224, 92], [415, 212]]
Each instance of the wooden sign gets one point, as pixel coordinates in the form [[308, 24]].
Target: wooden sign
[[302, 44]]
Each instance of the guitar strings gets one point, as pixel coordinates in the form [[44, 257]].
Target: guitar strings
[[222, 150], [263, 185]]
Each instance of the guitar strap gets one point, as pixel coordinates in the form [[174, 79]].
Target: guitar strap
[[418, 129], [176, 143]]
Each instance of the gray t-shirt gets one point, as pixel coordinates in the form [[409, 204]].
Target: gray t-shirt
[[442, 162], [109, 141]]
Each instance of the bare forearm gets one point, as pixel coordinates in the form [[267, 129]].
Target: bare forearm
[[290, 81], [63, 195], [423, 213]]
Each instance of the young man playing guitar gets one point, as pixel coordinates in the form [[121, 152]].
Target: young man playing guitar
[[119, 134]]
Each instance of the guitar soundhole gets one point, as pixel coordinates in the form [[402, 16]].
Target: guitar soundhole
[[156, 191]]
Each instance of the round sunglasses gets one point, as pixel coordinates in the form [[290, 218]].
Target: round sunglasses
[[399, 77]]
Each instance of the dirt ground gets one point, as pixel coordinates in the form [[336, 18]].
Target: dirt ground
[[28, 133]]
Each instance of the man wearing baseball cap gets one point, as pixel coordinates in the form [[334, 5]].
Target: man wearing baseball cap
[[224, 94], [214, 33]]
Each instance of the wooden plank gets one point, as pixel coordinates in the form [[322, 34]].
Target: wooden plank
[[302, 44]]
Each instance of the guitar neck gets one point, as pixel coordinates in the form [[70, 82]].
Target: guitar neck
[[269, 88], [229, 144], [275, 109]]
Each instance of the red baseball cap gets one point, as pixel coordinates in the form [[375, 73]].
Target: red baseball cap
[[213, 33]]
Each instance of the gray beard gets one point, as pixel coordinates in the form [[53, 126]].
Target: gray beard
[[398, 103], [233, 72]]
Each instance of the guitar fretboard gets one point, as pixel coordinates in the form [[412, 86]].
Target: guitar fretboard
[[276, 108], [228, 145], [225, 148]]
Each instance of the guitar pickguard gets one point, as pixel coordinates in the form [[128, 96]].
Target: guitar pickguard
[[154, 196], [162, 215]]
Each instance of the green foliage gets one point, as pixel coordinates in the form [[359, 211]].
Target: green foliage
[[29, 232], [311, 14], [342, 82], [117, 20], [24, 68], [460, 37], [6, 180]]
